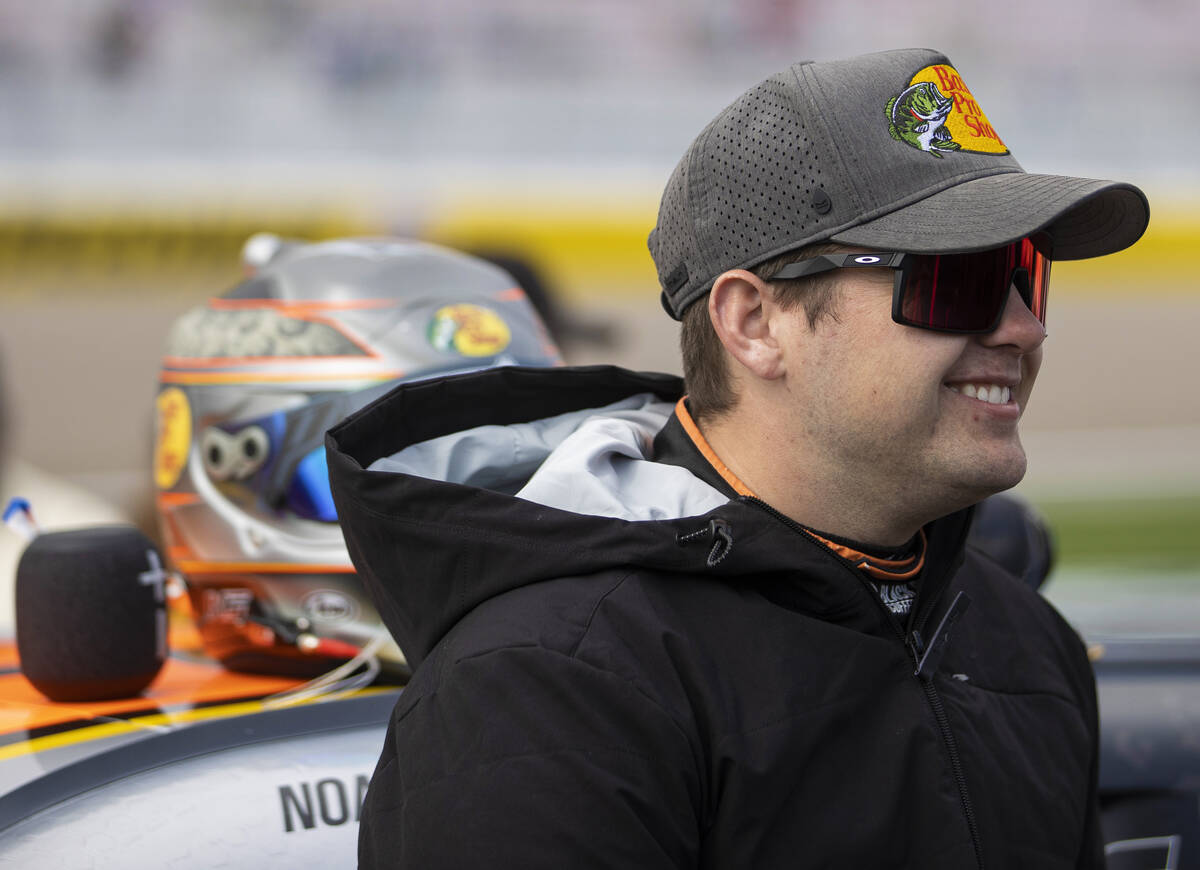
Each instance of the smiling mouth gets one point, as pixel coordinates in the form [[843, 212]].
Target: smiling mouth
[[993, 394]]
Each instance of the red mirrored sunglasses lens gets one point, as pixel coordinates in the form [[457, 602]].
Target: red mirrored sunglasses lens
[[1034, 257], [967, 292]]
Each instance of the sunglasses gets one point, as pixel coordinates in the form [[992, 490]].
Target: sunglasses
[[961, 293]]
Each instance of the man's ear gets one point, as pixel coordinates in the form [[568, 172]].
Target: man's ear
[[741, 307]]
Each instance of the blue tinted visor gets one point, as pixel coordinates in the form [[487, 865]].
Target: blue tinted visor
[[275, 464], [308, 493]]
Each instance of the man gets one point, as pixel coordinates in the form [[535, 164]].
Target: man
[[743, 630]]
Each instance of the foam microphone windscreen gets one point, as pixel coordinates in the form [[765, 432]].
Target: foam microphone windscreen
[[91, 613]]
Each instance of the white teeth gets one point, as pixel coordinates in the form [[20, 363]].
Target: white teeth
[[993, 394]]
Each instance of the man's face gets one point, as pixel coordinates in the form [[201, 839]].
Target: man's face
[[927, 418]]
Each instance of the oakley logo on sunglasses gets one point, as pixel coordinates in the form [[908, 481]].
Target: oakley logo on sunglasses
[[960, 293]]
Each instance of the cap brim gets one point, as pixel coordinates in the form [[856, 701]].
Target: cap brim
[[1086, 217]]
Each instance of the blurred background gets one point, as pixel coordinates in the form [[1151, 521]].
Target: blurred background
[[142, 141]]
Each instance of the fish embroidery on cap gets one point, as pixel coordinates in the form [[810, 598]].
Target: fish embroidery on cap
[[937, 114]]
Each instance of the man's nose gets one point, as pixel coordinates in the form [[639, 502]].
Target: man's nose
[[1018, 326]]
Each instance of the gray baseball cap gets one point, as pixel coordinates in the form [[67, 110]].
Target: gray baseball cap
[[888, 151]]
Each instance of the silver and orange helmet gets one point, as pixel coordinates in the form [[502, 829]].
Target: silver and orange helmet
[[249, 384]]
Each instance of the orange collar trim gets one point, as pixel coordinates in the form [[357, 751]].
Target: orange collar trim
[[693, 431], [890, 570]]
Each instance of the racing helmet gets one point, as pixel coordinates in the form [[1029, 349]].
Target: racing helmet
[[250, 382]]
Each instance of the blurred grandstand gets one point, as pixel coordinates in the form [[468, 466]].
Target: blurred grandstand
[[144, 140]]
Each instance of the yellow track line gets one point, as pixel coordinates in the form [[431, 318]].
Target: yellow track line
[[151, 722]]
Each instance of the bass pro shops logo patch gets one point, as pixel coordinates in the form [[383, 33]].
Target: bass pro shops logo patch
[[173, 436], [937, 114], [470, 330]]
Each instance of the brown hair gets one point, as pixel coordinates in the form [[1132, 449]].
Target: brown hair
[[705, 371]]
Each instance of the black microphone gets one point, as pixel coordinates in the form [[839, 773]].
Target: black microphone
[[91, 613]]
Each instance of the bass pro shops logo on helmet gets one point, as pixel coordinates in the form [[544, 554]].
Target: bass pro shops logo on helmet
[[471, 330], [937, 114]]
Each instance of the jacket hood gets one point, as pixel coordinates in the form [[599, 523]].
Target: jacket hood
[[452, 491]]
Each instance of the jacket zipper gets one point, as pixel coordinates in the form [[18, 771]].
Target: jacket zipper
[[939, 713], [916, 647]]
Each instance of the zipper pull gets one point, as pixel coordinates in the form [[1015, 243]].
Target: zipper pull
[[719, 532], [932, 654]]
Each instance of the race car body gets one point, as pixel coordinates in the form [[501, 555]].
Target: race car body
[[208, 768]]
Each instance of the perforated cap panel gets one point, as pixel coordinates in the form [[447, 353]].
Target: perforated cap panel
[[751, 185]]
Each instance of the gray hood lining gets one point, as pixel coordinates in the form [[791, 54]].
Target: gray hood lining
[[595, 461]]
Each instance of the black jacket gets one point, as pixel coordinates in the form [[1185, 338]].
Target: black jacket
[[716, 690]]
